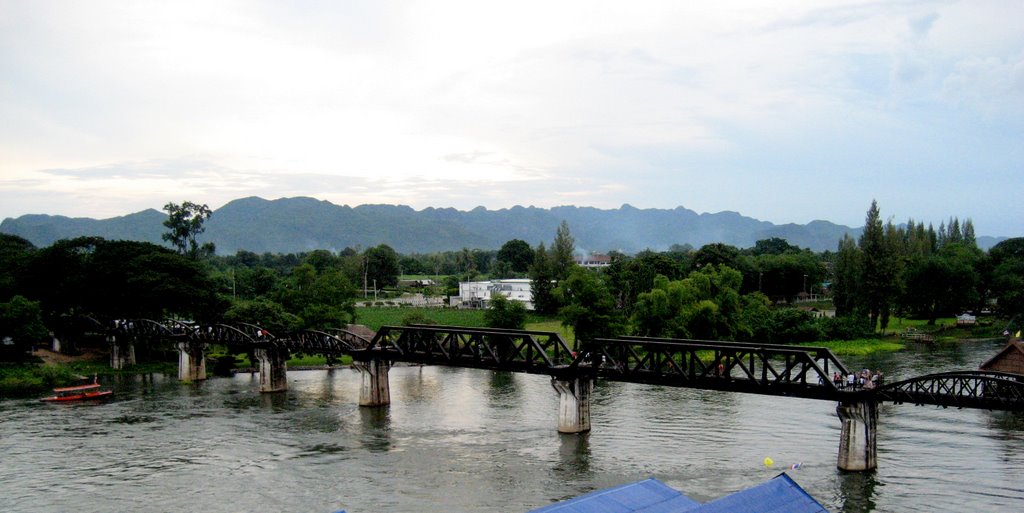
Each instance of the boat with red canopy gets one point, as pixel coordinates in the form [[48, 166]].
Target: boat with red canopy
[[89, 392]]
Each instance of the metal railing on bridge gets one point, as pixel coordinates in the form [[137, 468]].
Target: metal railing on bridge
[[962, 389], [714, 365], [535, 352]]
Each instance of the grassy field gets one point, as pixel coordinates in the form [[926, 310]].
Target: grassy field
[[375, 317], [858, 347], [551, 325]]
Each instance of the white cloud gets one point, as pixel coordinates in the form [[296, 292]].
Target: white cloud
[[777, 110]]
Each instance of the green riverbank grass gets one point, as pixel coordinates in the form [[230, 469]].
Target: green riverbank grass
[[26, 379], [552, 325], [858, 347], [375, 317]]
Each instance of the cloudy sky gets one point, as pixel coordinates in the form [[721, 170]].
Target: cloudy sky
[[783, 111]]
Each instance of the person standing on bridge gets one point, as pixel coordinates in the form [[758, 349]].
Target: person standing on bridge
[[851, 381]]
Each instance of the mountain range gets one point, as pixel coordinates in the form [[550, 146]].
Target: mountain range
[[291, 225]]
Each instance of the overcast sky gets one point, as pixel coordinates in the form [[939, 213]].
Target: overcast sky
[[783, 111]]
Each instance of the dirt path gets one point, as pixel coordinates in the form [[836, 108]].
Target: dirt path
[[52, 358]]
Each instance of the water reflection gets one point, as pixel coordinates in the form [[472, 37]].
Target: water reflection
[[274, 401], [857, 491], [573, 456], [412, 384], [376, 428], [502, 388]]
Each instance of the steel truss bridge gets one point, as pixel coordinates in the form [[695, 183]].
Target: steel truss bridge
[[781, 370], [242, 336]]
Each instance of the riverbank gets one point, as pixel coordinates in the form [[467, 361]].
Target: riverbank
[[46, 370]]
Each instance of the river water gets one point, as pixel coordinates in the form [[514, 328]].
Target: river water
[[462, 440]]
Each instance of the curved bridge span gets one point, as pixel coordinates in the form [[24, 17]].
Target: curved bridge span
[[781, 370]]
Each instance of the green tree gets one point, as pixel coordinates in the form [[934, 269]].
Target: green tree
[[14, 255], [944, 283], [713, 311], [714, 255], [319, 299], [157, 284], [517, 254], [588, 306], [185, 223], [254, 282], [629, 277], [502, 269], [790, 325], [655, 310], [563, 258], [266, 313], [119, 279], [1007, 261], [381, 266], [504, 313], [541, 282], [705, 305], [773, 246], [878, 273], [321, 260], [755, 319], [787, 275], [21, 325]]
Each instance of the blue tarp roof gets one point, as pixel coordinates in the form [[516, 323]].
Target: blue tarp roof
[[778, 495], [647, 496]]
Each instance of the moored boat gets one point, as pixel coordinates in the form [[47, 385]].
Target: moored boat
[[90, 392]]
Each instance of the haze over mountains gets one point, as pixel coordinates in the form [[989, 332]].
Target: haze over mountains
[[291, 225]]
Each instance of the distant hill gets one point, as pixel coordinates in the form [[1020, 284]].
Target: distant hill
[[291, 225]]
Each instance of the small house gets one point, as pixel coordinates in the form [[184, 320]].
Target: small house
[[966, 319], [478, 294], [1010, 359]]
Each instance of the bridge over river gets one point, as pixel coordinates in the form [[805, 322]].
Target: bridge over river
[[780, 370]]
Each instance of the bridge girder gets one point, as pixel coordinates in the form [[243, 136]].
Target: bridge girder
[[533, 352], [728, 366], [710, 365], [962, 389]]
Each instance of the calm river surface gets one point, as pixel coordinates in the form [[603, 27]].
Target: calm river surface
[[461, 440]]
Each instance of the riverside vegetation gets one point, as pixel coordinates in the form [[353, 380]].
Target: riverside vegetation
[[891, 278]]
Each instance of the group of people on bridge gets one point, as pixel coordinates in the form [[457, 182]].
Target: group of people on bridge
[[864, 379]]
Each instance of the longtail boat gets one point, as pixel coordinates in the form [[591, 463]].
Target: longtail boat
[[92, 391]]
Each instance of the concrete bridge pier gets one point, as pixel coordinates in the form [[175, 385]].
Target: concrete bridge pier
[[121, 353], [857, 445], [375, 390], [273, 369], [191, 362], [573, 403]]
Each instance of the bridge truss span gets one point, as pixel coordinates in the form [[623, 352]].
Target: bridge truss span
[[533, 352], [961, 389], [329, 341], [712, 365]]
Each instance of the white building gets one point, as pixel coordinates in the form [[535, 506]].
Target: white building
[[477, 294], [593, 261]]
